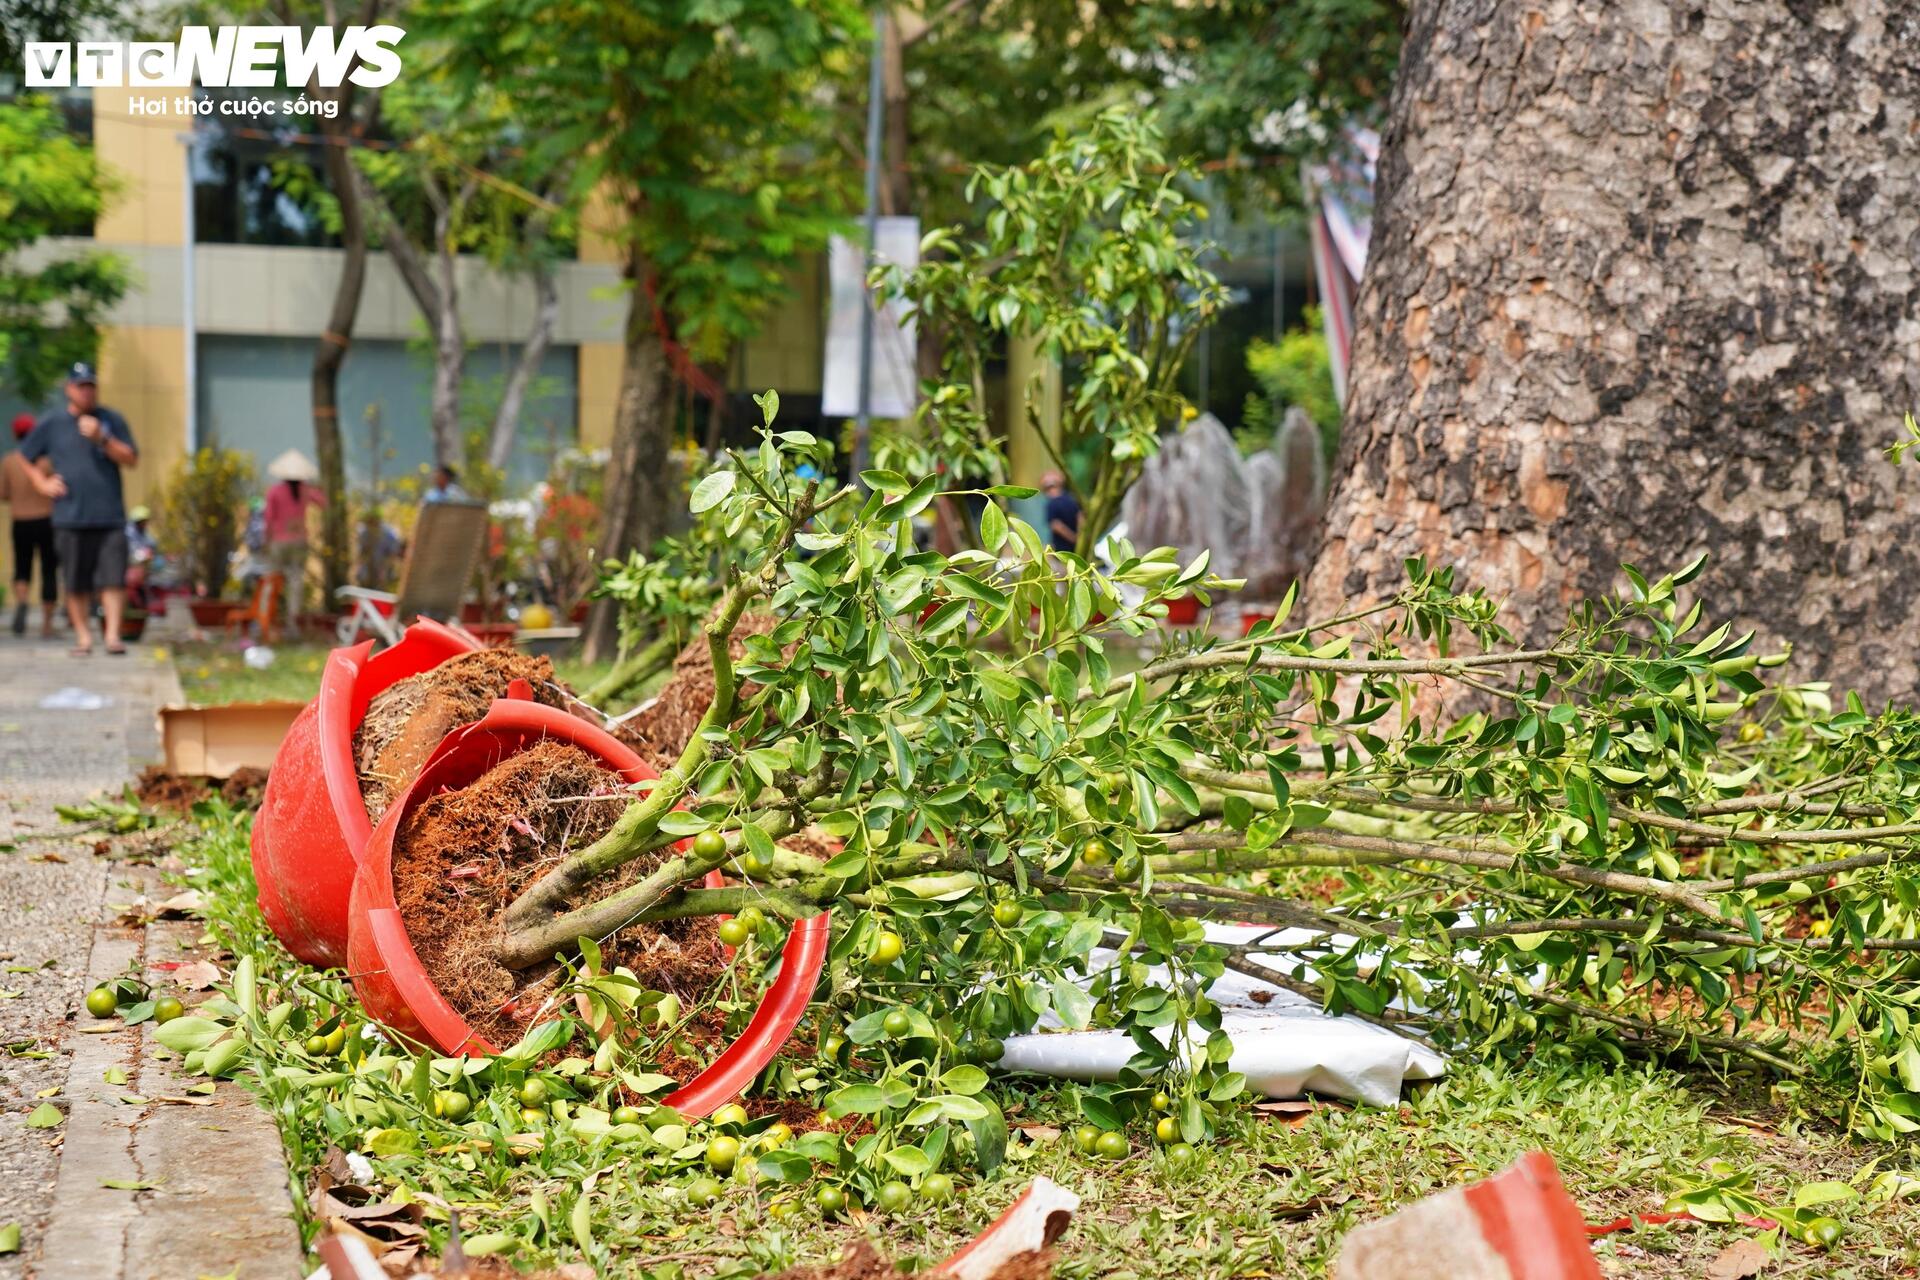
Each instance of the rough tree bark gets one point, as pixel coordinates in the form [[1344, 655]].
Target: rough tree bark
[[1642, 284], [640, 488]]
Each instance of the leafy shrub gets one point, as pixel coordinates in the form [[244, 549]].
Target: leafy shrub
[[203, 512], [1293, 371]]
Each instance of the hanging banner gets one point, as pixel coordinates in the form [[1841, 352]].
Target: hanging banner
[[895, 380], [1340, 225]]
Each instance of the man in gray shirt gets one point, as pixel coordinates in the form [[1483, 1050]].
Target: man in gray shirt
[[88, 445]]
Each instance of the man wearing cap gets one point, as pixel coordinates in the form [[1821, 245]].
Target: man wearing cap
[[88, 444], [32, 534]]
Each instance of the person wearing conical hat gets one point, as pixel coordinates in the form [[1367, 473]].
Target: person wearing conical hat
[[286, 523]]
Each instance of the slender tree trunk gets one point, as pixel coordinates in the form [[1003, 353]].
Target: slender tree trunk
[[1642, 285], [640, 487], [449, 371], [436, 292], [336, 544], [896, 182], [513, 398]]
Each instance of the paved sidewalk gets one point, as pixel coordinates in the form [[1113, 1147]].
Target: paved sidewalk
[[57, 901]]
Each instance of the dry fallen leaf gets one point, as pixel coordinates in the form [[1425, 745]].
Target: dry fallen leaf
[[181, 905], [1293, 1111], [1744, 1257], [196, 975], [1041, 1133]]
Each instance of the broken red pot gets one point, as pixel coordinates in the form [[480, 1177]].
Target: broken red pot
[[313, 821], [394, 986]]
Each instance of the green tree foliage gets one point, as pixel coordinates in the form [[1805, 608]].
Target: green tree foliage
[[24, 20], [699, 135], [1293, 371], [703, 122], [1249, 86], [464, 185], [1260, 85], [989, 83], [1087, 250], [1638, 844], [50, 312]]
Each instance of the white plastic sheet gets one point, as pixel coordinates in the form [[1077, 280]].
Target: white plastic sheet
[[1285, 1047]]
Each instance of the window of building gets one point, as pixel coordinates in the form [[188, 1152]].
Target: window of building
[[255, 183]]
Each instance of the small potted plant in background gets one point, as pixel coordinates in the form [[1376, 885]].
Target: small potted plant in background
[[201, 521]]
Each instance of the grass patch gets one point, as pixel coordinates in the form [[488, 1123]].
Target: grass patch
[[213, 674], [1272, 1200]]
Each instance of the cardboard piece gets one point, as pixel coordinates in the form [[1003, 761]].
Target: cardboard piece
[[212, 742]]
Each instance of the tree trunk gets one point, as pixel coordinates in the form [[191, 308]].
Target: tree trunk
[[336, 544], [449, 372], [1641, 286], [526, 366], [639, 487], [896, 181]]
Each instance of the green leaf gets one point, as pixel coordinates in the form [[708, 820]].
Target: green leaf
[[967, 1080], [757, 841], [1083, 936], [392, 1142], [1100, 1112], [581, 1221], [127, 1184], [856, 1099], [909, 1162], [45, 1116], [886, 481], [911, 504], [989, 1134], [945, 618], [785, 1166], [10, 1238], [489, 1243], [184, 1035], [1822, 1193], [1072, 1003], [711, 491], [993, 528]]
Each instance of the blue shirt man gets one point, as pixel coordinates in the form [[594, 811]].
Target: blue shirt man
[[87, 444]]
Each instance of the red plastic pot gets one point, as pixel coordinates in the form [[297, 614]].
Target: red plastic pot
[[1252, 617], [394, 987], [313, 821], [214, 613], [1183, 611]]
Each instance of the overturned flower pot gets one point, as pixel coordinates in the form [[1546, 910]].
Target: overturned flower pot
[[473, 827], [313, 820]]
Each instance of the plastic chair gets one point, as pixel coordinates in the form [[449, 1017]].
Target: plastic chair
[[268, 591], [448, 540]]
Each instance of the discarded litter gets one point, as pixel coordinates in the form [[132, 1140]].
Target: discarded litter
[[74, 698], [258, 656], [1282, 1042]]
